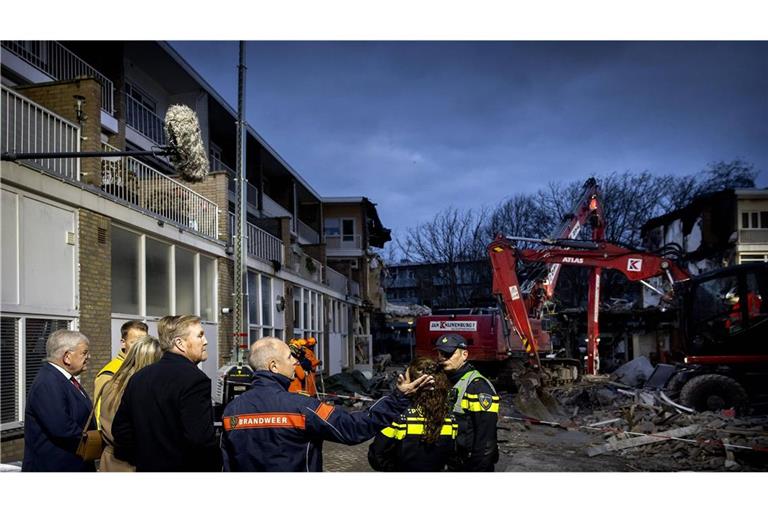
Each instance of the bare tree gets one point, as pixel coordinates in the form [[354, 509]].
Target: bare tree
[[452, 238]]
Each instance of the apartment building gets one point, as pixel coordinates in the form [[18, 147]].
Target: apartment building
[[88, 243]]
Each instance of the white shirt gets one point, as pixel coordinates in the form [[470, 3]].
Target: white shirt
[[62, 370], [66, 374]]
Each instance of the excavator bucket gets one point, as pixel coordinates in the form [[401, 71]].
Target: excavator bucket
[[533, 400]]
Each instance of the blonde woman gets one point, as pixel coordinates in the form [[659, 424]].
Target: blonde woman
[[144, 352]]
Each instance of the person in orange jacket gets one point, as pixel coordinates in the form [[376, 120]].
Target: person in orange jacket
[[304, 381]]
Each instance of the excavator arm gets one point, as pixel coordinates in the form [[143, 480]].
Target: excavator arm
[[597, 255]]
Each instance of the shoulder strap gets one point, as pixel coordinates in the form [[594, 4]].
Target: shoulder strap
[[93, 409], [462, 385]]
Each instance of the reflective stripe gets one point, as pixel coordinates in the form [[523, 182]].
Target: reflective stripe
[[476, 407], [268, 420], [461, 405], [324, 411], [399, 431]]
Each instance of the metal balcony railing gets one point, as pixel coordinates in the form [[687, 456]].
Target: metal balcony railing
[[134, 182], [29, 128], [337, 280], [218, 165], [144, 121], [309, 234], [259, 244], [59, 63], [343, 242]]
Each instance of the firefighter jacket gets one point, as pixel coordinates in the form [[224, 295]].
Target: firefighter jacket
[[476, 407], [268, 428], [401, 446]]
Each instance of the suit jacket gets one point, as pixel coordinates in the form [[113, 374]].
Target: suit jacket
[[165, 419], [54, 418]]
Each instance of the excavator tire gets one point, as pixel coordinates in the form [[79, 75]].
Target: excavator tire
[[713, 392]]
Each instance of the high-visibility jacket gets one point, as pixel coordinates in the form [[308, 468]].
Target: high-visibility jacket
[[304, 381], [104, 376], [267, 428], [476, 407], [401, 446]]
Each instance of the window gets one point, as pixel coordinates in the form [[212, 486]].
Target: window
[[749, 258], [158, 278], [331, 227], [260, 306], [253, 298], [348, 230], [185, 281], [125, 271], [754, 220], [207, 288], [22, 348], [266, 300], [147, 290]]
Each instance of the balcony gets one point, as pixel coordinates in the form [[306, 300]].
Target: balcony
[[307, 235], [59, 63], [144, 121], [259, 243], [138, 184], [28, 127], [337, 280], [753, 236], [345, 242]]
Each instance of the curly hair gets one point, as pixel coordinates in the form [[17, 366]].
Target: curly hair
[[431, 402]]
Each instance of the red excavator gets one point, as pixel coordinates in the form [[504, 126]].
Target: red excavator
[[495, 348], [722, 317]]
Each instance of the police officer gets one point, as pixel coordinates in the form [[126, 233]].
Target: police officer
[[268, 428], [475, 406]]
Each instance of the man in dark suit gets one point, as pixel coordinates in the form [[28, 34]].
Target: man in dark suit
[[58, 407], [165, 418]]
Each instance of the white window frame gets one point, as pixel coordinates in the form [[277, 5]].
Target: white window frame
[[142, 277], [750, 214], [344, 235], [21, 363], [259, 326]]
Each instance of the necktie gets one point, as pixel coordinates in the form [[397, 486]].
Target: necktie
[[77, 385]]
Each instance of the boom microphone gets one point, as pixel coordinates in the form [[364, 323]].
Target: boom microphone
[[187, 152]]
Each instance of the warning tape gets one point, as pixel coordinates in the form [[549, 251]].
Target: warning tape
[[348, 397]]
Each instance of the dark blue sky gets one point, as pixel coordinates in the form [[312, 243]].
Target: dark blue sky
[[419, 126]]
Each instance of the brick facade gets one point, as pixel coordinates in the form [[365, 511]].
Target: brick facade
[[95, 286], [59, 98], [226, 324], [12, 451]]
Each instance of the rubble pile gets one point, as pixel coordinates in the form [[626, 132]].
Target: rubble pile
[[654, 434]]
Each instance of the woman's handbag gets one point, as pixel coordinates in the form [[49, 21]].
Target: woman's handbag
[[91, 444]]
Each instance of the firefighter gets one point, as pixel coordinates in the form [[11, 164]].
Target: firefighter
[[304, 381], [475, 406], [268, 428]]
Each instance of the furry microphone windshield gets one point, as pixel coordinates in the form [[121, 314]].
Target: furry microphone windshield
[[187, 150]]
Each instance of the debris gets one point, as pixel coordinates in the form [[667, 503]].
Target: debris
[[634, 373], [730, 460], [675, 405], [660, 376], [644, 439]]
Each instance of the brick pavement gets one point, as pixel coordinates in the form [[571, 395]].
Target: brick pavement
[[341, 458]]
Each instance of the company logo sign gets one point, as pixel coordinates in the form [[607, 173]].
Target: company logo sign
[[634, 265], [453, 325]]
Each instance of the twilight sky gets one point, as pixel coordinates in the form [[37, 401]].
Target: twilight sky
[[418, 126]]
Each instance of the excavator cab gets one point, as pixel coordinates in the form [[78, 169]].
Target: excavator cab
[[725, 313], [724, 318]]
